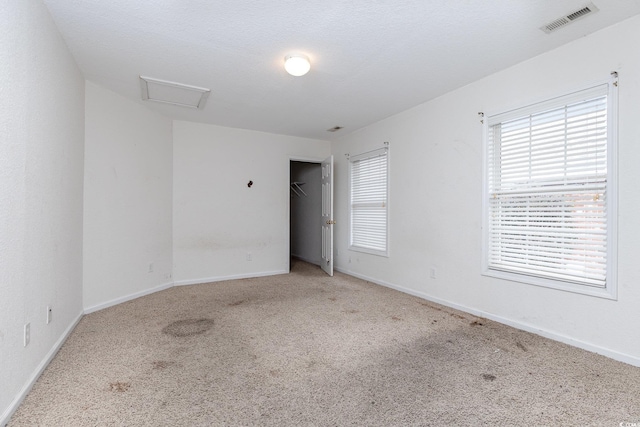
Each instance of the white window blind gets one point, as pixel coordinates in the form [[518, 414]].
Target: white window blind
[[369, 172], [547, 189]]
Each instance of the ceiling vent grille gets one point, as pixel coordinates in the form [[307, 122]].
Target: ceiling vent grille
[[569, 18], [173, 93]]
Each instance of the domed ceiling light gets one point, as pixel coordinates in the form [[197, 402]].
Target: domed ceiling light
[[297, 65]]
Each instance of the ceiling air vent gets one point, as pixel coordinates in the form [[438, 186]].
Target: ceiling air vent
[[173, 93], [569, 18]]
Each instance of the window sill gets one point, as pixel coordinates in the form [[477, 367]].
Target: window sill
[[607, 293], [369, 251]]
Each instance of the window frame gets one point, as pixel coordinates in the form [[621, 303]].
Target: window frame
[[352, 160], [610, 289]]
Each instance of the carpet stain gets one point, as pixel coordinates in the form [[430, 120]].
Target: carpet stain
[[396, 318], [521, 346], [352, 311], [119, 386], [433, 307], [475, 323], [275, 373], [188, 328], [488, 377], [333, 299], [162, 364], [456, 315], [236, 303]]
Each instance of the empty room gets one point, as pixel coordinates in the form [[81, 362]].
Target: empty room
[[319, 213]]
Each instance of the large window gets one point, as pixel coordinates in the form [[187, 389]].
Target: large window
[[550, 193], [369, 202]]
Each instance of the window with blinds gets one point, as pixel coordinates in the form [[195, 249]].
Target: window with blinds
[[548, 190], [369, 191]]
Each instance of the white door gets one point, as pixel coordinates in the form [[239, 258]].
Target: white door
[[327, 216]]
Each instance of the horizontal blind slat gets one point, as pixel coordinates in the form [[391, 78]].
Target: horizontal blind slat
[[369, 201], [547, 182]]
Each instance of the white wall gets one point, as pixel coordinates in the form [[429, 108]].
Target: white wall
[[436, 197], [306, 212], [127, 199], [217, 218], [41, 151]]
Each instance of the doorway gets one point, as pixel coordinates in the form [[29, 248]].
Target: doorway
[[305, 211]]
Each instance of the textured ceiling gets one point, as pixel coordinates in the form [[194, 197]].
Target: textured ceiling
[[370, 59]]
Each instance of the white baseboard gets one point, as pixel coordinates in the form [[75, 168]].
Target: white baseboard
[[126, 298], [164, 286], [232, 277], [13, 407], [621, 357]]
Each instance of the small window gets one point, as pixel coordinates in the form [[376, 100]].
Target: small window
[[369, 202], [550, 193]]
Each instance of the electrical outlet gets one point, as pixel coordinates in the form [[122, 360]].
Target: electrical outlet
[[433, 273], [49, 314], [249, 258], [27, 334]]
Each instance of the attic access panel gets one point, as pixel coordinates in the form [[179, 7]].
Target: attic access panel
[[173, 93]]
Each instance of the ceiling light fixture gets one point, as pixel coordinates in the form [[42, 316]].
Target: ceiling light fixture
[[297, 65]]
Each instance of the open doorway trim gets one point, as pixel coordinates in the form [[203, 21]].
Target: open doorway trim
[[315, 160]]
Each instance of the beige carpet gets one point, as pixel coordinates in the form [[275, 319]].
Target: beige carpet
[[305, 349]]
